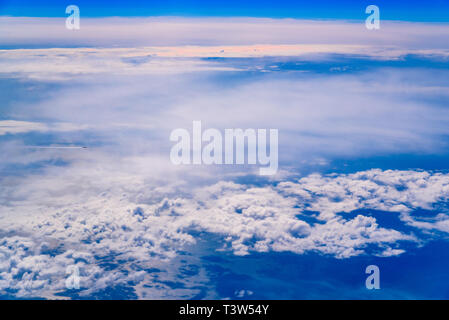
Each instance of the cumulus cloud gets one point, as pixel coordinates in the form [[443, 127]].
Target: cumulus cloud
[[125, 221]]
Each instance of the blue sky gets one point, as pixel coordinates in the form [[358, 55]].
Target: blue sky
[[363, 120], [431, 11]]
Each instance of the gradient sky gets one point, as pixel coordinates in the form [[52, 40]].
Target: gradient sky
[[429, 11]]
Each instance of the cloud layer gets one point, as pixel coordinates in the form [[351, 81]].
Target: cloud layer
[[45, 231], [129, 219], [177, 31]]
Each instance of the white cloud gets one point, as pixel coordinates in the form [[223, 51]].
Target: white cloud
[[120, 209], [164, 45], [13, 127], [121, 218], [16, 127], [364, 114], [177, 31]]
